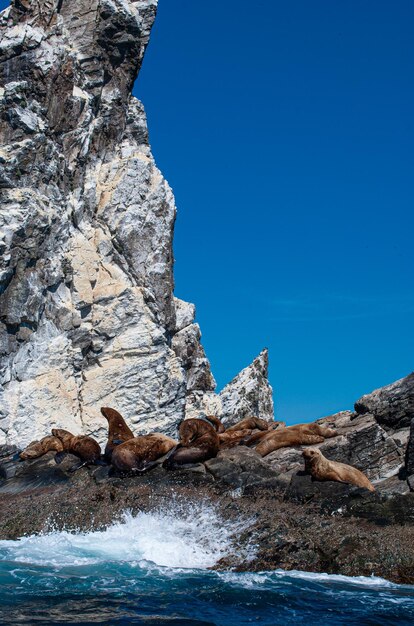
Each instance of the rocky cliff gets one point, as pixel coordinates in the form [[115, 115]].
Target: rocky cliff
[[87, 311]]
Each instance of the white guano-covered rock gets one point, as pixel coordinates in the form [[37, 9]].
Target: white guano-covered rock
[[88, 316]]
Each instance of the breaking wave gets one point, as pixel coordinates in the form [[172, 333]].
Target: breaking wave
[[153, 568]]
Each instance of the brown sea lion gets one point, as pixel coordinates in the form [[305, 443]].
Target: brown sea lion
[[315, 429], [199, 441], [141, 453], [85, 448], [322, 469], [250, 423], [299, 434], [233, 438], [36, 449], [118, 430]]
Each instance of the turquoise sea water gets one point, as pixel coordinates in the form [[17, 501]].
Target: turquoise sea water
[[153, 569]]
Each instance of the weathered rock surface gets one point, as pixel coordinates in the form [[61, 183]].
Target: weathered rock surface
[[392, 406], [409, 461], [242, 468], [249, 393], [87, 312]]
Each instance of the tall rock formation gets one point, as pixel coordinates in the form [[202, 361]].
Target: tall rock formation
[[87, 311]]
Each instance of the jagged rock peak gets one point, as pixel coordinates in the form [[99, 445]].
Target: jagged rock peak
[[249, 393], [87, 312]]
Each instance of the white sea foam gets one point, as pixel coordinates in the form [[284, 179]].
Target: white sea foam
[[178, 537], [258, 580]]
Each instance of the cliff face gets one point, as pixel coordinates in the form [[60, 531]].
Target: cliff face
[[87, 312]]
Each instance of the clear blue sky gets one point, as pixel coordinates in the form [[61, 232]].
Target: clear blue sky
[[286, 131]]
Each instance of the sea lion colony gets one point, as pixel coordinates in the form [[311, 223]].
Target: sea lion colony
[[199, 440]]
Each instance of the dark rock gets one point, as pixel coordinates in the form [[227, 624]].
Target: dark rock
[[384, 510], [6, 451], [410, 482], [329, 495], [392, 406], [28, 476], [409, 459], [393, 485], [243, 468]]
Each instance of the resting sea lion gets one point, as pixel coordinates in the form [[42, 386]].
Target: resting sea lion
[[141, 453], [316, 429], [323, 469], [250, 423], [85, 448], [297, 435], [118, 430], [35, 449], [233, 438], [198, 442]]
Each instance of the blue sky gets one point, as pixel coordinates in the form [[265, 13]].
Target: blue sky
[[286, 132]]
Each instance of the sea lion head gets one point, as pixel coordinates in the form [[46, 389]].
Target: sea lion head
[[64, 435], [311, 454], [188, 431], [35, 449], [111, 414]]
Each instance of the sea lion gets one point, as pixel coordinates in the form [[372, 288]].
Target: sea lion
[[315, 429], [141, 453], [199, 441], [37, 448], [85, 448], [297, 435], [250, 423], [322, 469], [233, 438], [118, 430]]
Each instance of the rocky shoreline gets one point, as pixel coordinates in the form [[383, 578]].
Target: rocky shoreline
[[281, 517], [320, 527]]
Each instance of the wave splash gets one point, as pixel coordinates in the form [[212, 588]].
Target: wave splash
[[190, 537]]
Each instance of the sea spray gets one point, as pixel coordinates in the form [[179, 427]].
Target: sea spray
[[153, 568], [181, 535]]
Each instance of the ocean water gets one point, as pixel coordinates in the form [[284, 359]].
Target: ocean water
[[153, 568]]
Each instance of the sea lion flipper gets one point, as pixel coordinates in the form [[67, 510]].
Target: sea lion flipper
[[145, 466], [59, 456]]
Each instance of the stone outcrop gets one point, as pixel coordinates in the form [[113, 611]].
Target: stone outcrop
[[392, 406], [376, 438], [87, 311], [409, 461], [249, 393]]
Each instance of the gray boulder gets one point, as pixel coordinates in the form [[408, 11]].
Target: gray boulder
[[392, 405]]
